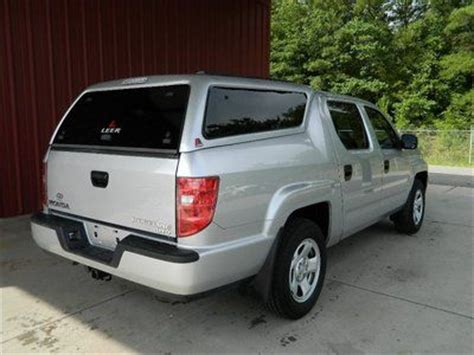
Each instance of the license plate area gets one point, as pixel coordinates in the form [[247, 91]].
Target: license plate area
[[104, 236]]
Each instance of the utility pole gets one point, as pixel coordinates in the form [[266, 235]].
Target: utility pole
[[470, 144]]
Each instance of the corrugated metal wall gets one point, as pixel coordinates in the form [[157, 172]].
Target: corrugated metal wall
[[50, 50]]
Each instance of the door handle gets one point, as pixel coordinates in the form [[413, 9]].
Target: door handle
[[386, 166], [347, 172], [99, 178]]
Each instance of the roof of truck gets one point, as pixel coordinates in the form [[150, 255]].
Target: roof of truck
[[214, 79], [190, 78], [333, 96]]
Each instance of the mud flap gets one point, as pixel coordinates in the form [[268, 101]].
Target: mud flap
[[263, 281]]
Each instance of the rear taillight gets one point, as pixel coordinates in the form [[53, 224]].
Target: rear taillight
[[196, 200], [44, 185]]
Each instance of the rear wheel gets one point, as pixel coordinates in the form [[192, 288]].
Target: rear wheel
[[299, 269], [410, 218]]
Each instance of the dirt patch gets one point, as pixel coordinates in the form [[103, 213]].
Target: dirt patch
[[288, 340]]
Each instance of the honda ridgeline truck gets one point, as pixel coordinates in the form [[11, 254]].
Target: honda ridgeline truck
[[188, 183]]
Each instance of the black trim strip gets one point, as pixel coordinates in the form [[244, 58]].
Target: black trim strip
[[73, 239], [117, 226], [117, 151]]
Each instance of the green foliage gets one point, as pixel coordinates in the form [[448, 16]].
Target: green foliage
[[412, 57], [460, 28], [288, 53], [403, 12], [450, 148], [460, 112]]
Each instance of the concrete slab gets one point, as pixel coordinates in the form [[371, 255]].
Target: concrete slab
[[346, 320], [385, 292], [451, 176], [38, 288], [452, 170], [448, 204], [433, 268]]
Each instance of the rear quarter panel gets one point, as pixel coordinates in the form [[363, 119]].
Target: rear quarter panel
[[264, 181]]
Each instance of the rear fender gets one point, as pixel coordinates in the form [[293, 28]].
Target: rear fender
[[295, 196]]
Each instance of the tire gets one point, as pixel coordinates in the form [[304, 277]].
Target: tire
[[409, 221], [307, 272]]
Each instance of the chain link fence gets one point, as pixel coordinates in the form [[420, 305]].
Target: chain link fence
[[446, 147]]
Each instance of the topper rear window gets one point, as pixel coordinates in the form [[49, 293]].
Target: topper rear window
[[145, 118]]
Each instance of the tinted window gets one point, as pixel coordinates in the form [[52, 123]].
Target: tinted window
[[238, 111], [386, 136], [348, 124], [132, 118]]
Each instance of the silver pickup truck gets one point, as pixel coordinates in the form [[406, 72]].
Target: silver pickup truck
[[188, 183]]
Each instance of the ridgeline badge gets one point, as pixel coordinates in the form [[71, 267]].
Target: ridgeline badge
[[157, 226]]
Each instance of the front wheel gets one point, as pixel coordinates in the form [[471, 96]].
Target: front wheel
[[299, 269], [410, 218]]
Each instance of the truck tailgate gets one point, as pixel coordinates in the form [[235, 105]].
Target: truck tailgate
[[139, 193]]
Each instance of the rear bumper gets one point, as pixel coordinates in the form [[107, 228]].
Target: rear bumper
[[165, 267]]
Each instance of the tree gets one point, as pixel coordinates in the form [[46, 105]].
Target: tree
[[287, 43], [413, 57], [401, 13], [457, 68], [341, 46], [420, 95]]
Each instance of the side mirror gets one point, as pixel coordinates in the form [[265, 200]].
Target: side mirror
[[409, 141]]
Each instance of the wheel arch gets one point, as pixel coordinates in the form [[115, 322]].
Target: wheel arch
[[319, 213], [423, 177]]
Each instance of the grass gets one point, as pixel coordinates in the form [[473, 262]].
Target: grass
[[447, 148]]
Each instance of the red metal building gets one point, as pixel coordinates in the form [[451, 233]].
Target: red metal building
[[52, 49]]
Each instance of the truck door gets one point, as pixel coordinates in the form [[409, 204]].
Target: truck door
[[396, 176], [360, 166]]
